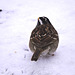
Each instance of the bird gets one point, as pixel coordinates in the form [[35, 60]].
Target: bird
[[44, 39]]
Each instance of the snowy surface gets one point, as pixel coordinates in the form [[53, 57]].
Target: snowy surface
[[18, 19]]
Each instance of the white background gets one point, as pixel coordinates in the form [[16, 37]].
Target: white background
[[18, 19]]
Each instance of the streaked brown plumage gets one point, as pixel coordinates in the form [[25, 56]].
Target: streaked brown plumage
[[44, 38]]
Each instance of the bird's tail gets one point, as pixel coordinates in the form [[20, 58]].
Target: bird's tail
[[36, 55]]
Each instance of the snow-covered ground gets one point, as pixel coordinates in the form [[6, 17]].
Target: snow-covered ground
[[18, 19]]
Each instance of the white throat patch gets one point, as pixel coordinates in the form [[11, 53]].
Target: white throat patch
[[40, 21]]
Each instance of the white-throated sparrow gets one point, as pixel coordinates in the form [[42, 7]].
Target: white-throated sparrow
[[44, 38]]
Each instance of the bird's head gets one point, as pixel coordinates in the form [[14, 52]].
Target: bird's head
[[43, 21]]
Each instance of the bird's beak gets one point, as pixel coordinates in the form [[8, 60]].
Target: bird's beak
[[38, 18]]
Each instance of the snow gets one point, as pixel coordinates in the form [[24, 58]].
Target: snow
[[18, 19]]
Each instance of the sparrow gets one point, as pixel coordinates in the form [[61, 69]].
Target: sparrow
[[44, 38]]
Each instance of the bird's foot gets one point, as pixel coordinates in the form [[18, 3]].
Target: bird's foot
[[52, 54]]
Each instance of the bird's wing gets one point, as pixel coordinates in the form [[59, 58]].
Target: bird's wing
[[43, 36]]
